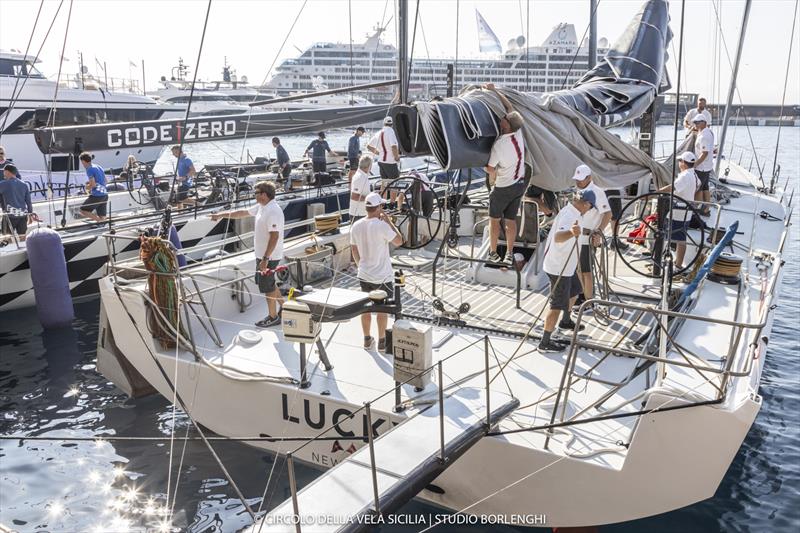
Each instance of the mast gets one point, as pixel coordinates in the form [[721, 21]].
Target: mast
[[592, 34], [402, 55], [732, 87]]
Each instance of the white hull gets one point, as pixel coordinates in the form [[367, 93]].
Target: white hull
[[670, 459]]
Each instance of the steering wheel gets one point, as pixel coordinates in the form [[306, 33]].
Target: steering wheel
[[640, 213], [416, 207]]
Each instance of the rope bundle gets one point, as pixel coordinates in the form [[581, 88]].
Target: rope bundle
[[159, 259]]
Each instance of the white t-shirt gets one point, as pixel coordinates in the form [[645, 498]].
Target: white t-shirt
[[557, 254], [591, 220], [359, 184], [686, 184], [693, 113], [704, 143], [508, 158], [383, 142], [372, 237], [269, 218]]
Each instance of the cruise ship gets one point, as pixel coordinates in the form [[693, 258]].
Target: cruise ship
[[559, 62]]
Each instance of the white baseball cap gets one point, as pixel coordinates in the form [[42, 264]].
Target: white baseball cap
[[699, 118], [387, 121], [582, 172], [374, 199], [687, 157]]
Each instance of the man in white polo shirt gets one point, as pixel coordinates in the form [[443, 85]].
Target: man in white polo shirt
[[592, 226], [267, 244], [369, 239], [506, 173], [384, 145], [359, 189], [699, 110], [560, 262], [704, 152], [686, 184]]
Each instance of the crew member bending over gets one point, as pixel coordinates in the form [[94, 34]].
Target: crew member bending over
[[185, 174], [370, 238], [506, 173], [267, 244], [560, 263], [96, 204], [318, 148]]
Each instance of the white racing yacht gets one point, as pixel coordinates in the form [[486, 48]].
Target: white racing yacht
[[26, 103]]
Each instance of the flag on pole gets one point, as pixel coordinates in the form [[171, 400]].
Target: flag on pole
[[132, 64], [99, 64], [487, 40]]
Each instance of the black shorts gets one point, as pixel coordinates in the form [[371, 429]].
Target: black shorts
[[614, 202], [15, 224], [286, 171], [679, 229], [353, 163], [266, 282], [387, 287], [504, 201], [319, 165], [704, 176], [585, 258], [182, 192], [98, 204], [389, 171], [563, 290]]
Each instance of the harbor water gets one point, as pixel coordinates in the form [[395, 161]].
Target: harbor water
[[50, 387]]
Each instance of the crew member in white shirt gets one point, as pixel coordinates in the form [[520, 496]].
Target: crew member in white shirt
[[560, 263], [686, 184], [360, 188], [592, 226], [704, 152], [700, 109], [267, 244], [369, 239], [384, 145], [506, 174]]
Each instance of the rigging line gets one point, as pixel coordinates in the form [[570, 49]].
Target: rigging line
[[191, 97], [278, 53], [667, 272], [578, 48], [411, 56], [567, 456], [783, 98], [427, 54], [27, 73], [52, 115], [527, 44], [455, 61], [350, 30]]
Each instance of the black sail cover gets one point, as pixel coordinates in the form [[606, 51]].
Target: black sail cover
[[562, 129]]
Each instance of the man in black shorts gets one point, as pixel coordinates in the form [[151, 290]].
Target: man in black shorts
[[387, 152], [318, 149], [96, 204], [282, 159], [560, 265], [15, 201], [506, 173]]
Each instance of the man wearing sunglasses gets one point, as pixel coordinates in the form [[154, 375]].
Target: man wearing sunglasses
[[267, 244]]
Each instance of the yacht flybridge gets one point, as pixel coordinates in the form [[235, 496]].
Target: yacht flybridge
[[26, 99]]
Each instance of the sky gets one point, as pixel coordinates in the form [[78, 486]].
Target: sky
[[252, 34]]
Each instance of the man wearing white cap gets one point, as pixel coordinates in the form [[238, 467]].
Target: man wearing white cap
[[506, 173], [369, 240], [685, 187], [699, 110], [560, 262], [592, 223], [384, 145], [704, 152]]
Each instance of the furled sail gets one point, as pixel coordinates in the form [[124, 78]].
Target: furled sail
[[561, 129]]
